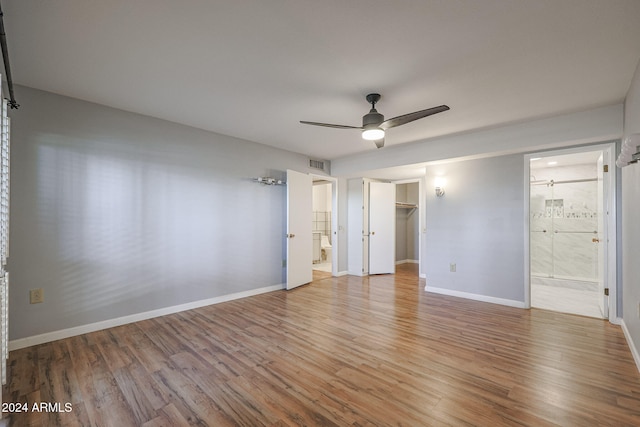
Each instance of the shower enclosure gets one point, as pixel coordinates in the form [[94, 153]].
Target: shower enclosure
[[568, 220], [565, 231]]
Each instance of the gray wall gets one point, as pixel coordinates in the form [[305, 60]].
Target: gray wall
[[114, 213], [478, 225]]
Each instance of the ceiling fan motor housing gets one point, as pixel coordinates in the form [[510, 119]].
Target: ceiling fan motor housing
[[373, 118]]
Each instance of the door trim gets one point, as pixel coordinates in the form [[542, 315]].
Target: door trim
[[610, 223]]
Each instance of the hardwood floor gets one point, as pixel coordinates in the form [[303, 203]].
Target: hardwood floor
[[341, 351]]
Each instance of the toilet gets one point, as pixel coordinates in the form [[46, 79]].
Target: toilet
[[325, 249]]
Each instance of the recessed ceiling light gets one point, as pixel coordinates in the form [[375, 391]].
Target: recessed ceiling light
[[552, 163], [535, 158]]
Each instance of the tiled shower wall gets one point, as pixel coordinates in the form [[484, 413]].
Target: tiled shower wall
[[564, 222], [322, 223], [321, 220]]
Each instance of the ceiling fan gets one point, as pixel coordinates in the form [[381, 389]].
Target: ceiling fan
[[374, 125]]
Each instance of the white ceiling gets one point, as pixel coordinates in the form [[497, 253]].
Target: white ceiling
[[254, 68]]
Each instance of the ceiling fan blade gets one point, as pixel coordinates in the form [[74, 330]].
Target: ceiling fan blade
[[379, 143], [330, 125], [407, 118]]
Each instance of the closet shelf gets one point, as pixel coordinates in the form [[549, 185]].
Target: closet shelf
[[406, 205]]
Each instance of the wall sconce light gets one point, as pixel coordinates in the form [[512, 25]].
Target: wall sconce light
[[630, 152], [267, 180], [439, 184]]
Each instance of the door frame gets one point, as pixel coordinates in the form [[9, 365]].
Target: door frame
[[421, 218], [334, 219], [610, 235]]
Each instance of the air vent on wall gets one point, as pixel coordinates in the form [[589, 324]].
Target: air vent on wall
[[316, 164]]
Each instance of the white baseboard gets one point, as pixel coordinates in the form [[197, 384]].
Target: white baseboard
[[97, 326], [476, 297], [423, 276], [631, 344], [408, 261], [342, 273]]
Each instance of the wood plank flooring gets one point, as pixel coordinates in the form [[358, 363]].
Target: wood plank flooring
[[345, 351]]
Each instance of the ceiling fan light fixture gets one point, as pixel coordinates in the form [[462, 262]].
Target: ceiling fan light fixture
[[372, 134], [374, 125]]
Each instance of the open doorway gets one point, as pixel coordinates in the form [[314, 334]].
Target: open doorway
[[410, 211], [408, 226], [568, 232], [322, 228]]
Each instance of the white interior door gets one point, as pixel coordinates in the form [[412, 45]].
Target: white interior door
[[601, 239], [382, 228], [299, 233]]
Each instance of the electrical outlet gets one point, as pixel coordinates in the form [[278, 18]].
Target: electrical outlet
[[452, 267], [36, 296]]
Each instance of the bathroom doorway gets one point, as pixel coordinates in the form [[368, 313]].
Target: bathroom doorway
[[323, 227], [568, 219]]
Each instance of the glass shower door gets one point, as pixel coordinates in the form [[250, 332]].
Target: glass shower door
[[541, 226], [574, 231], [563, 230]]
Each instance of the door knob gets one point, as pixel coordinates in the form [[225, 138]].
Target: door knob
[[290, 236], [373, 232], [595, 240]]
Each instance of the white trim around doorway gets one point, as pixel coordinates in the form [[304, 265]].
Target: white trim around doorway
[[610, 223]]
